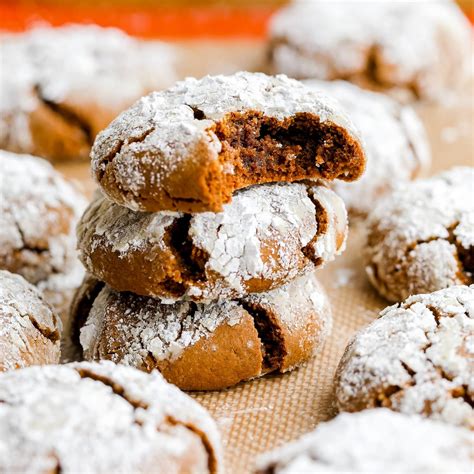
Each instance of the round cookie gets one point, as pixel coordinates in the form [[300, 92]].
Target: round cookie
[[102, 418], [205, 347], [54, 107], [395, 142], [188, 148], [421, 237], [416, 50], [29, 329], [374, 441], [418, 357], [266, 236]]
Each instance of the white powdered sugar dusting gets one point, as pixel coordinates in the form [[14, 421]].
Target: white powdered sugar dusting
[[417, 235], [161, 129], [25, 317], [374, 441], [418, 358], [395, 142], [411, 45]]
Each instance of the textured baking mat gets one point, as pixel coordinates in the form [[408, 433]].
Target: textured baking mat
[[262, 414]]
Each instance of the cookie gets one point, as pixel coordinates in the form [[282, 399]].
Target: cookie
[[188, 148], [205, 347], [374, 441], [421, 237], [395, 142], [99, 418], [266, 236], [414, 50], [29, 328], [52, 106], [417, 357]]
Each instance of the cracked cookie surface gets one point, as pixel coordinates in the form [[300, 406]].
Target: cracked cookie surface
[[395, 142], [53, 107], [266, 236], [188, 148], [29, 328], [418, 357], [374, 441], [421, 237], [411, 49], [205, 346], [102, 418]]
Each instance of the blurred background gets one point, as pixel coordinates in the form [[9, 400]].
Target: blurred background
[[169, 19]]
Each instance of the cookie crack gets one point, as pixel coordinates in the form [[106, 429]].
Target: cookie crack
[[197, 112], [50, 334], [270, 335]]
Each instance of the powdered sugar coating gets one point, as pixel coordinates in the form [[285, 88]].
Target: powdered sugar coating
[[395, 142], [418, 357], [374, 441], [146, 327], [262, 235], [29, 329], [421, 237], [87, 86], [417, 47], [102, 418], [170, 131], [38, 213]]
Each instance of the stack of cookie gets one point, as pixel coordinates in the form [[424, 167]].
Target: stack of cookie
[[213, 215]]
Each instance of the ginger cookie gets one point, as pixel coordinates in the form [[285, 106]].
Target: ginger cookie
[[188, 148], [421, 237], [414, 50], [66, 84], [102, 418], [395, 142], [205, 346], [418, 357], [374, 441], [29, 328], [266, 236]]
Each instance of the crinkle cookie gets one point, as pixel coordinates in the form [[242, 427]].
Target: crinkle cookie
[[421, 237], [64, 85], [205, 347], [395, 142], [419, 50], [266, 236], [190, 147], [102, 418], [374, 441], [29, 328], [417, 358]]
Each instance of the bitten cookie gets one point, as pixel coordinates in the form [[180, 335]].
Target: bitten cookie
[[53, 106], [374, 441], [190, 147], [102, 418], [417, 358], [417, 50], [421, 237], [266, 236], [29, 328], [395, 142], [205, 347]]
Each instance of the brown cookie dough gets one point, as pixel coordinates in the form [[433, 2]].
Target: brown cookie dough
[[395, 141], [61, 86], [190, 147], [266, 236], [102, 418], [205, 347], [374, 441], [417, 358], [29, 328], [415, 50], [421, 237]]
